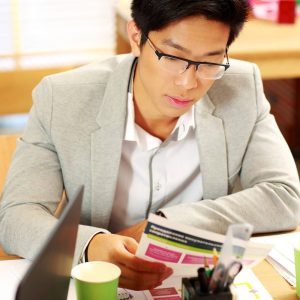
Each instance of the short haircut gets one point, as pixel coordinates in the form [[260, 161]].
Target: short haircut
[[151, 15]]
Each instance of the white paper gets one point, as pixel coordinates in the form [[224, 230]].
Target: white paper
[[246, 286], [281, 257], [12, 271]]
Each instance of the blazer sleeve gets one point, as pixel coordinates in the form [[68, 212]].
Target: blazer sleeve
[[34, 185], [269, 197]]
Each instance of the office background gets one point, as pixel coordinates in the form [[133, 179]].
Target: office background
[[44, 37]]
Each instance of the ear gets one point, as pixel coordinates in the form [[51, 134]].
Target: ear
[[134, 35]]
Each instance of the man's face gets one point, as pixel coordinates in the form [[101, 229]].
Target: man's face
[[161, 94]]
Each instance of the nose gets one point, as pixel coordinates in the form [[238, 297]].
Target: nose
[[188, 79]]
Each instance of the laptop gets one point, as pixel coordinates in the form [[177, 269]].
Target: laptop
[[48, 276]]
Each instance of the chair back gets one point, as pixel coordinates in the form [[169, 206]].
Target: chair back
[[7, 149]]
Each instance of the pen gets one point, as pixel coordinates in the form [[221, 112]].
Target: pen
[[206, 265], [217, 279], [232, 271], [203, 280], [208, 273], [215, 257], [223, 276]]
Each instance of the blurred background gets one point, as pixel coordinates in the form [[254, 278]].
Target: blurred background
[[40, 37]]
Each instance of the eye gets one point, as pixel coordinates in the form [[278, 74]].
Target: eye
[[212, 66], [169, 58]]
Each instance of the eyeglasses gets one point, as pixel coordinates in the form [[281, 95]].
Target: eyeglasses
[[178, 65]]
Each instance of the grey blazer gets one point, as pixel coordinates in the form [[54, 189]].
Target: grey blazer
[[74, 137]]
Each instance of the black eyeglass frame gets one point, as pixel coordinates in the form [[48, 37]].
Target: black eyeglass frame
[[160, 54]]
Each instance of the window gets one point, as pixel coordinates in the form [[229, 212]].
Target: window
[[47, 33]]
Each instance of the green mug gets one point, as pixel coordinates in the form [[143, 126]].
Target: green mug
[[96, 280]]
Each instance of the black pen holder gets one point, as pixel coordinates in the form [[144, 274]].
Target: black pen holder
[[191, 291]]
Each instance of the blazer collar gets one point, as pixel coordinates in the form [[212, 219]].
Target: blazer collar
[[114, 102]]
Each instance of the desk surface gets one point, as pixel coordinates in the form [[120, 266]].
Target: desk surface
[[274, 48], [273, 282]]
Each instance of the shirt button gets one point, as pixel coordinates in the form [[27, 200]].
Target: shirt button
[[158, 186]]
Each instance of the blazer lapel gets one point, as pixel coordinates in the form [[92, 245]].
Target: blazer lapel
[[106, 144], [212, 148]]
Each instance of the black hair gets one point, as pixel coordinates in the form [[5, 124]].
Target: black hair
[[150, 15]]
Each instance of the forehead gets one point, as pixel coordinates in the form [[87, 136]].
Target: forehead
[[196, 35]]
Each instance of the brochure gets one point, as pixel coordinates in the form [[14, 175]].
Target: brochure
[[185, 248]]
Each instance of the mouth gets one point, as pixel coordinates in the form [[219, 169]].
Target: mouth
[[179, 102]]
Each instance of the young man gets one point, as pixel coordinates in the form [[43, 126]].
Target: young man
[[177, 128]]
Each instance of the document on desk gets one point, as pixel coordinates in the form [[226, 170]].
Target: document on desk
[[281, 257], [185, 248], [12, 271], [247, 286]]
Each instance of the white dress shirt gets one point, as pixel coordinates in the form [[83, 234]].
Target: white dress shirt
[[155, 174]]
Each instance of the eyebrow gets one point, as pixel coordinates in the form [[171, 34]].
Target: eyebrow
[[170, 43]]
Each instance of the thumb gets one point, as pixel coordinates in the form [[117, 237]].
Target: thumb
[[131, 245]]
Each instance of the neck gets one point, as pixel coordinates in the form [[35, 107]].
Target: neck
[[160, 128], [147, 116]]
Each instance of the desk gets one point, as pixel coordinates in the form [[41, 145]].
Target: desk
[[274, 48], [273, 282], [4, 256]]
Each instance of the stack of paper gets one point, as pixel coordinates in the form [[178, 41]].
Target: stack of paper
[[246, 286], [281, 257]]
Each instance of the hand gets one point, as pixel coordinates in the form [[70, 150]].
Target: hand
[[136, 273], [135, 231]]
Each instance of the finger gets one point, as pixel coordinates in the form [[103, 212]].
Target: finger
[[138, 281], [126, 251], [143, 265], [144, 281], [124, 256], [129, 284], [153, 278]]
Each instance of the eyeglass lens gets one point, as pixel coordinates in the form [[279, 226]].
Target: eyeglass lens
[[178, 66]]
